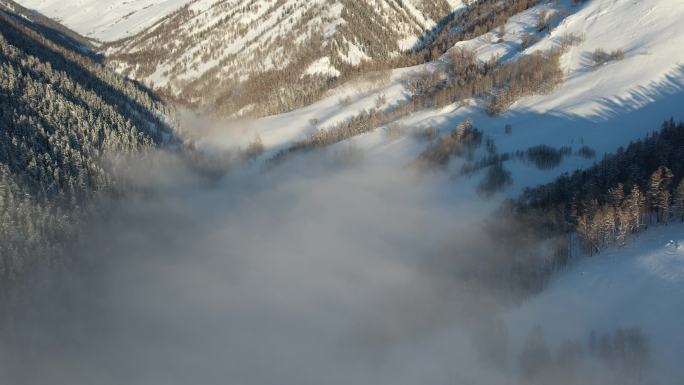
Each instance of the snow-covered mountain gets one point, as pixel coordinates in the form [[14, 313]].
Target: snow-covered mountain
[[603, 106], [231, 54], [106, 20]]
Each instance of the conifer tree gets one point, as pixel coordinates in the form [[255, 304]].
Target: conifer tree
[[635, 204], [679, 200], [616, 195], [654, 184]]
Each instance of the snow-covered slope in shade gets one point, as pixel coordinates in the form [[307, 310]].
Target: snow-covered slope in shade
[[640, 285], [106, 20]]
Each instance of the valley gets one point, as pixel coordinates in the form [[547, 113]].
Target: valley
[[372, 192]]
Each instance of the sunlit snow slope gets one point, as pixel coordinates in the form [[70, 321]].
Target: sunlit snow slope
[[106, 20], [603, 107], [230, 54]]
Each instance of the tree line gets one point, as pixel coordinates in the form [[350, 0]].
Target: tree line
[[622, 356], [480, 17], [499, 84], [624, 193]]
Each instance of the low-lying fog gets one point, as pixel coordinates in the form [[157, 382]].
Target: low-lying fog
[[324, 270]]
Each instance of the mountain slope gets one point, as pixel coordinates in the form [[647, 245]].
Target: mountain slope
[[247, 58], [589, 107], [106, 20], [269, 56], [66, 123], [52, 29], [636, 287]]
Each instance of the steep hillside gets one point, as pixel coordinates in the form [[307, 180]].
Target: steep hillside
[[106, 20], [66, 121], [269, 56], [588, 107], [621, 309], [247, 58], [52, 29]]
